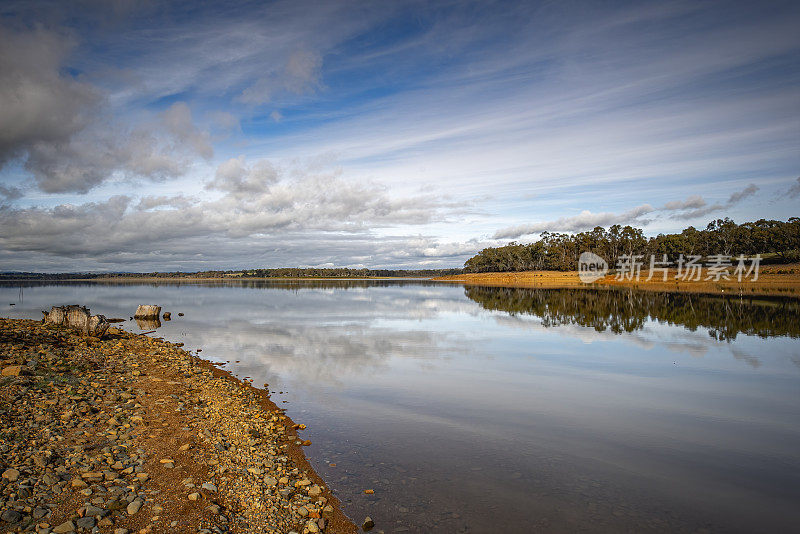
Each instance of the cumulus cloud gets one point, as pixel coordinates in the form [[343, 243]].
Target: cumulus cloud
[[235, 176], [225, 122], [64, 131], [151, 202], [178, 121], [262, 207], [300, 74], [41, 106]]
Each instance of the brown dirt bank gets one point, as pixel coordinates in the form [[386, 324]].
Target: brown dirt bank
[[133, 434], [775, 280]]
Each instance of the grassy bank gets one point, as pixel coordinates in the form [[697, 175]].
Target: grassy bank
[[773, 280], [132, 434]]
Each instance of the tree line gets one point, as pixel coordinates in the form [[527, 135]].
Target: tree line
[[285, 272], [779, 240]]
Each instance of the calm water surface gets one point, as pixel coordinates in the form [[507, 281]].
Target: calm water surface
[[495, 410]]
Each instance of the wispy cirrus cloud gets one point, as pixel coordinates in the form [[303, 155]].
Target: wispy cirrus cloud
[[691, 208], [583, 114]]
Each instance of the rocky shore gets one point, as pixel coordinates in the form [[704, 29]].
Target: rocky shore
[[129, 434]]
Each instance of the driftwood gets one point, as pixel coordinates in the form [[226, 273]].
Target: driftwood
[[79, 318], [147, 310]]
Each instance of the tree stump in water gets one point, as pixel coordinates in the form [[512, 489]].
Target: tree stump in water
[[147, 310], [79, 318]]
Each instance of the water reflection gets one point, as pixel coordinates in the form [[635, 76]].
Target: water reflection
[[148, 323], [509, 410], [628, 311]]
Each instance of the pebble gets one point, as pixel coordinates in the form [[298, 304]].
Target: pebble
[[11, 475], [85, 522], [134, 506], [11, 516], [64, 528], [100, 405]]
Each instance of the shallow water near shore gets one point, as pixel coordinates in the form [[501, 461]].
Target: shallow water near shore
[[507, 410]]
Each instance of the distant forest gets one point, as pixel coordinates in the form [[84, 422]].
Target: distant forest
[[288, 272], [778, 241]]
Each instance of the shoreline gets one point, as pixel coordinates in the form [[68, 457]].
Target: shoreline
[[774, 280], [217, 279], [185, 445]]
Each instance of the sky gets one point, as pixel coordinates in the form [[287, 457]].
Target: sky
[[143, 136]]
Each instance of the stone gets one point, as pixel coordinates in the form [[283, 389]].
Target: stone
[[368, 523], [208, 486], [270, 482], [312, 526], [94, 511], [134, 506], [11, 516], [11, 474], [64, 528], [14, 370], [86, 522], [194, 496], [93, 476], [314, 491]]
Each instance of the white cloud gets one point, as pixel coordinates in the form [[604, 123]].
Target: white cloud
[[693, 202], [585, 221], [690, 208], [64, 131], [300, 74], [236, 177], [315, 215], [178, 121]]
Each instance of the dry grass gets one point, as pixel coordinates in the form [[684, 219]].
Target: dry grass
[[773, 280]]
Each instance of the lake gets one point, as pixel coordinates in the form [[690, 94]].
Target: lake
[[487, 410]]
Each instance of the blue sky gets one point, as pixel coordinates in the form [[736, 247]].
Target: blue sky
[[160, 136]]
